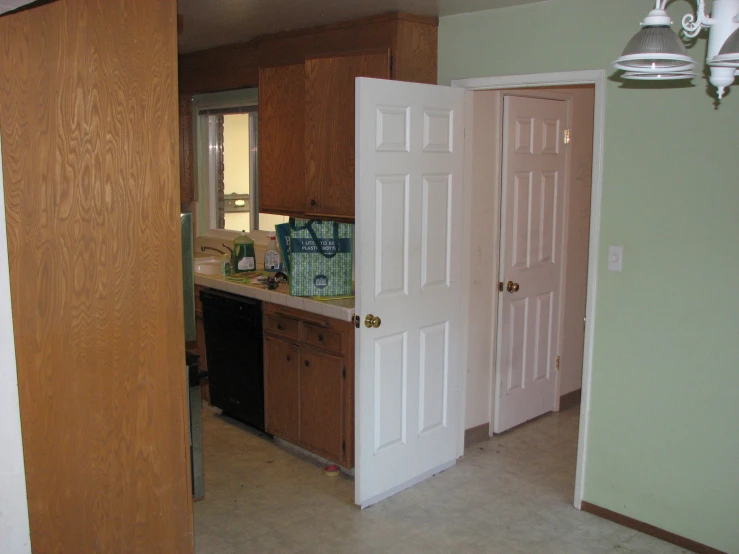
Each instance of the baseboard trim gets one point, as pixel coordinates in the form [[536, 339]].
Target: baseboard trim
[[473, 435], [570, 400], [637, 525]]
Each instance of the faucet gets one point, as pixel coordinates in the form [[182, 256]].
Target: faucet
[[204, 248], [231, 250]]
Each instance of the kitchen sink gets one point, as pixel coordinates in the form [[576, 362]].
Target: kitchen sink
[[207, 265]]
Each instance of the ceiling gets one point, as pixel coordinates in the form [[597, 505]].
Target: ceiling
[[208, 23], [10, 5]]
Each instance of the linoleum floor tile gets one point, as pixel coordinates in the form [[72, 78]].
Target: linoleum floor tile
[[511, 494]]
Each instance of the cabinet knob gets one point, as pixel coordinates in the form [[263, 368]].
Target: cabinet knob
[[289, 357], [313, 202], [320, 338], [280, 327], [307, 363]]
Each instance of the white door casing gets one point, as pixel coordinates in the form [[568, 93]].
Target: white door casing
[[409, 179], [534, 168]]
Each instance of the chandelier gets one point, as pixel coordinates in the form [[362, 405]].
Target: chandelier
[[656, 53]]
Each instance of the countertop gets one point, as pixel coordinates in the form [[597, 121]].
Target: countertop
[[337, 309]]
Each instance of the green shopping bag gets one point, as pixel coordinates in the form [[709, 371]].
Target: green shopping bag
[[320, 258]]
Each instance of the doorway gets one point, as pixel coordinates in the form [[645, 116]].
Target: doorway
[[483, 201]]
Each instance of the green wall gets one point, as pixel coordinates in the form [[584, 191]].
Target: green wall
[[663, 445]]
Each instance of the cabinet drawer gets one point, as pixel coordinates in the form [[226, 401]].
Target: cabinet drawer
[[282, 325], [321, 337]]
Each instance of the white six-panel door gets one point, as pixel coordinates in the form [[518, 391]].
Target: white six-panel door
[[409, 171], [534, 162]]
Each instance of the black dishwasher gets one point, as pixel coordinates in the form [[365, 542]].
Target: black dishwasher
[[233, 346]]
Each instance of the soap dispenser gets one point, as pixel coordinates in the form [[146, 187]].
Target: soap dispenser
[[244, 257]]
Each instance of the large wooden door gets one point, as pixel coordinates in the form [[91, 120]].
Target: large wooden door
[[88, 116], [530, 259], [410, 158]]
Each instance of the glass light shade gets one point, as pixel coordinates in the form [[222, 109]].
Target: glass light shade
[[655, 50], [728, 56]]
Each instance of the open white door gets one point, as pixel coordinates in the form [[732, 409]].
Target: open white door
[[534, 162], [409, 165]]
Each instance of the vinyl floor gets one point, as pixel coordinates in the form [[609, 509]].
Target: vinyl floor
[[511, 494]]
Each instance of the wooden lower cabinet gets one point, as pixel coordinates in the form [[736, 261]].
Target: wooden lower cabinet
[[309, 382], [282, 389], [321, 403]]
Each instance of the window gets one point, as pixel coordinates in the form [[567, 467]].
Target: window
[[226, 139]]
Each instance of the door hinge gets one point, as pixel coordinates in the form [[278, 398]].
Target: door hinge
[[567, 136], [556, 362], [501, 286], [343, 372], [356, 321], [343, 446]]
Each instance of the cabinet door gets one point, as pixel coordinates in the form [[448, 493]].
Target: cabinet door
[[282, 139], [281, 380], [321, 404], [329, 129]]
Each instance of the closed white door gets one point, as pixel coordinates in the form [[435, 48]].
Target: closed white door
[[534, 163], [409, 165]]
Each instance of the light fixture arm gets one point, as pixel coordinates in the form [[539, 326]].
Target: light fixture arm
[[694, 24]]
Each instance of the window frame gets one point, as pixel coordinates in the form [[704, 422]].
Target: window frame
[[201, 141]]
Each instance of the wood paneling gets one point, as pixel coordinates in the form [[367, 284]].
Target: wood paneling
[[416, 52], [282, 138], [296, 46], [237, 65], [223, 68], [88, 112], [187, 175], [329, 129]]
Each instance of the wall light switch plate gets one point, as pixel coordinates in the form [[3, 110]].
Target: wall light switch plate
[[615, 258]]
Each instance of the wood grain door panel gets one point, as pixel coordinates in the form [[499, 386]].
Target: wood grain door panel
[[281, 389], [187, 150], [282, 139], [321, 404], [88, 112], [329, 129]]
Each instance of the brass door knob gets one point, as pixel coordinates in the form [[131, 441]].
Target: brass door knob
[[512, 287], [372, 321]]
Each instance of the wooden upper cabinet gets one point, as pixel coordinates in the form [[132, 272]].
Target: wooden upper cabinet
[[306, 101], [187, 173], [329, 129], [282, 139]]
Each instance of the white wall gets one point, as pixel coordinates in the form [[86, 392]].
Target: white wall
[[484, 125], [14, 531]]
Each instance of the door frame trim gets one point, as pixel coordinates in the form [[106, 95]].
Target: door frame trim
[[587, 77]]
